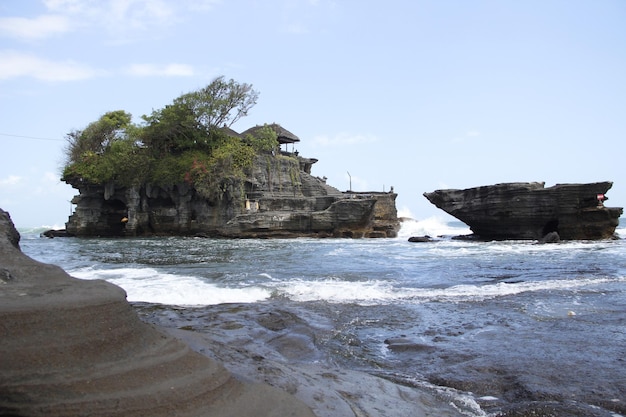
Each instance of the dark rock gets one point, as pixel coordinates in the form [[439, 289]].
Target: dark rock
[[530, 211], [425, 238], [552, 237], [277, 320], [5, 276], [52, 233], [8, 232], [279, 198], [563, 408], [401, 344]]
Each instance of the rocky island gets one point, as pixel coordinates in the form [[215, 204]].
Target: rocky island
[[186, 172], [278, 198], [531, 211]]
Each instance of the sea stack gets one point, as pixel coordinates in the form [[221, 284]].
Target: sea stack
[[530, 211], [276, 197]]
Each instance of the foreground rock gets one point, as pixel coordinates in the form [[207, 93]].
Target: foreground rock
[[70, 347], [530, 211], [274, 344]]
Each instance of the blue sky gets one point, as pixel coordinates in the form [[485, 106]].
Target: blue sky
[[419, 95]]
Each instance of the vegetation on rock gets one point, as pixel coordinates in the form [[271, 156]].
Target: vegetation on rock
[[184, 141]]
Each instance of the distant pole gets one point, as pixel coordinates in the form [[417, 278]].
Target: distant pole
[[350, 189]]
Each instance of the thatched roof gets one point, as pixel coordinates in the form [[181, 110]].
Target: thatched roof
[[229, 132], [284, 136]]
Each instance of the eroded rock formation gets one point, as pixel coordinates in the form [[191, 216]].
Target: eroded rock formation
[[70, 347], [280, 198], [531, 211]]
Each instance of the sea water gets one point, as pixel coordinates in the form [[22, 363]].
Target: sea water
[[509, 323]]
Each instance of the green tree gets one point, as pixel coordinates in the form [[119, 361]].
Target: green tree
[[221, 103], [193, 120], [172, 129], [181, 142], [98, 136], [221, 174]]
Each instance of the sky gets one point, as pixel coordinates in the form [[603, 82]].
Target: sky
[[417, 94]]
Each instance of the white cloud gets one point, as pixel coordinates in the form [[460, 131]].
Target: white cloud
[[10, 181], [117, 15], [343, 139], [17, 64], [36, 28], [70, 6], [170, 70], [473, 133], [119, 18]]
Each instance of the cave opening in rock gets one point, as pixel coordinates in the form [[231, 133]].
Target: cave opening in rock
[[116, 211], [551, 226]]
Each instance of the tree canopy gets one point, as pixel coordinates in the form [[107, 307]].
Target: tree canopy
[[183, 141], [191, 121], [98, 136], [221, 103]]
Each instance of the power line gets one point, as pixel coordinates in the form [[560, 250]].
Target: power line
[[30, 137]]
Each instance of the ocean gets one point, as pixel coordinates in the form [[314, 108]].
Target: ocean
[[505, 328]]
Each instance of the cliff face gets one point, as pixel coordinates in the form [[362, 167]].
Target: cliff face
[[279, 198], [530, 211]]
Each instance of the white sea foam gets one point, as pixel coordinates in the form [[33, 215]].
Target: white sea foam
[[488, 398], [335, 291], [432, 226], [35, 232], [376, 292], [150, 285]]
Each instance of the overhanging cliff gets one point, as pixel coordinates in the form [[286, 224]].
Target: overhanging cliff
[[531, 211]]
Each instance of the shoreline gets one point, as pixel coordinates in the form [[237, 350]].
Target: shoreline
[[281, 352], [302, 345], [72, 346], [280, 344]]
